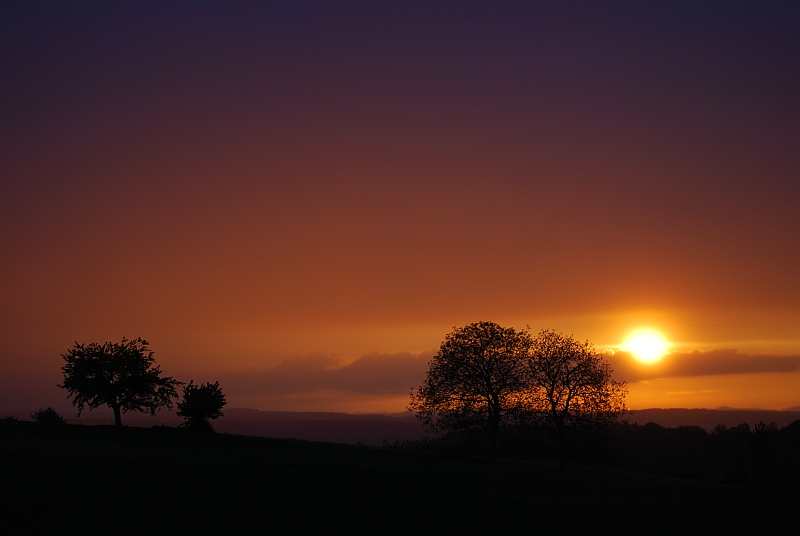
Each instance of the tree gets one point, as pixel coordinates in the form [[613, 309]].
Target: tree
[[570, 388], [201, 403], [473, 381], [119, 375], [48, 415]]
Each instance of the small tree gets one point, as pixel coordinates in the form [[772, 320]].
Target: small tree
[[473, 381], [119, 375], [48, 415], [570, 388], [201, 403]]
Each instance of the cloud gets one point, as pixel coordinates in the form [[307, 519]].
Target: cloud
[[394, 374], [372, 374], [699, 363]]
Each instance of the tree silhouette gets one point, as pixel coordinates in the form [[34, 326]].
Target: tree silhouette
[[48, 415], [119, 375], [201, 403], [570, 388], [473, 381]]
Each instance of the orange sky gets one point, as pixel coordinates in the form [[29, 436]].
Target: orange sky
[[301, 201]]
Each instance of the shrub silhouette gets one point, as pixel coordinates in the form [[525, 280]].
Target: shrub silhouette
[[201, 403], [48, 416]]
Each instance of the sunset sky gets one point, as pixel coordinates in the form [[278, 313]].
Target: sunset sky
[[301, 199]]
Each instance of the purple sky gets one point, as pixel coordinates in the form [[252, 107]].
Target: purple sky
[[270, 190]]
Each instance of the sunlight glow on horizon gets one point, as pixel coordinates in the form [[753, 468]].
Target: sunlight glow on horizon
[[646, 345]]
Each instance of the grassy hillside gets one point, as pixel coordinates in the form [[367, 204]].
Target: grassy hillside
[[87, 480]]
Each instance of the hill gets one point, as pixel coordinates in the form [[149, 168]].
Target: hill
[[97, 479], [709, 418], [375, 428], [369, 429]]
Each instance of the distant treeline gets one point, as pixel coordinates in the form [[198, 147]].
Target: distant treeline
[[709, 418], [763, 455]]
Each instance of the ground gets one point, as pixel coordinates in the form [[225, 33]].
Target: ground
[[95, 479]]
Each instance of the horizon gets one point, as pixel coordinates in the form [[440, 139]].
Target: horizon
[[378, 429], [104, 414], [301, 200]]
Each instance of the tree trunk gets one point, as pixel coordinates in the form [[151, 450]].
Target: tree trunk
[[117, 416], [493, 429], [562, 458], [563, 449], [561, 436], [492, 443]]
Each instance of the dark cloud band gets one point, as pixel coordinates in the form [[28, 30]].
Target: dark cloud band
[[698, 363], [396, 374], [373, 374]]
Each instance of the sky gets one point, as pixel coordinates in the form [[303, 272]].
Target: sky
[[301, 199]]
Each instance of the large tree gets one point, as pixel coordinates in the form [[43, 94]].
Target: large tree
[[569, 388], [119, 375], [473, 381]]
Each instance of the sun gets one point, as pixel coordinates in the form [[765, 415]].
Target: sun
[[646, 345]]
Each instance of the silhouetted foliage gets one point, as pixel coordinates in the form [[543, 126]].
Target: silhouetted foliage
[[48, 415], [762, 455], [201, 403], [569, 388], [119, 375], [9, 418], [473, 381], [490, 377], [420, 443]]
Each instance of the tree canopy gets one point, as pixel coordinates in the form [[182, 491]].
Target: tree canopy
[[121, 375], [487, 376], [201, 403], [569, 387], [473, 380]]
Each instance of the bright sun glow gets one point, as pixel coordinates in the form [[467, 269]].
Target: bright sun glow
[[646, 345]]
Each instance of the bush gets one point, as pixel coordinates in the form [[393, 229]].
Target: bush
[[201, 403], [48, 416]]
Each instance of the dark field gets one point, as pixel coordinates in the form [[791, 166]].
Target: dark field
[[96, 479]]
